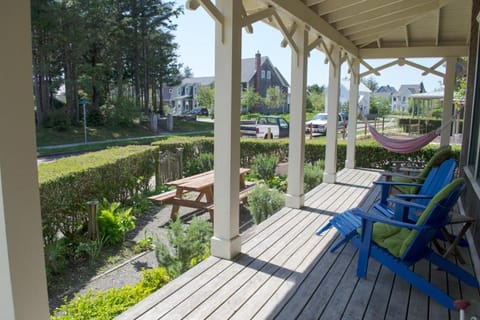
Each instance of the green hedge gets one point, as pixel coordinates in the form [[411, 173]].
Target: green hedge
[[369, 154], [67, 184]]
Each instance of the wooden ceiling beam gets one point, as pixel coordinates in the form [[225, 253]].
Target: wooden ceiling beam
[[310, 3], [377, 13], [414, 52], [358, 8], [410, 15], [330, 6], [300, 12]]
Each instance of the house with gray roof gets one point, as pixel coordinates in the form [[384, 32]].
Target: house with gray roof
[[257, 72], [400, 98]]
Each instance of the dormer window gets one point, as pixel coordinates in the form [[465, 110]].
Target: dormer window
[[263, 74], [179, 91], [269, 74]]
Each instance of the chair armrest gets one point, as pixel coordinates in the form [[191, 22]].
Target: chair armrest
[[386, 185], [381, 218], [405, 196], [400, 175], [395, 200]]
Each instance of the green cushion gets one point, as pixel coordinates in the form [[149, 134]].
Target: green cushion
[[397, 240], [442, 194], [436, 161]]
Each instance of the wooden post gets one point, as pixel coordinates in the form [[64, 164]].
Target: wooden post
[[92, 220], [311, 131]]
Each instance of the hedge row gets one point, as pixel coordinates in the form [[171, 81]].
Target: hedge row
[[369, 154], [67, 184]]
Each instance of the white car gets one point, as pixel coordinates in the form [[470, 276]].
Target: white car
[[319, 124]]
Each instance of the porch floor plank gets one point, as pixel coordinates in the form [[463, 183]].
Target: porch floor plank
[[285, 271]]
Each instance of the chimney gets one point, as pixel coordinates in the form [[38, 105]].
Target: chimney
[[258, 67]]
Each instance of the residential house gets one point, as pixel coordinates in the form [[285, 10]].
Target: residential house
[[258, 72], [400, 98], [184, 98], [386, 92], [363, 102]]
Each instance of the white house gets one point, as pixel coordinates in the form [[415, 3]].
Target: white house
[[400, 98], [363, 96]]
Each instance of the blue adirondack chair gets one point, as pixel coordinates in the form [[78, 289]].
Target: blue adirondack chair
[[438, 177], [398, 245]]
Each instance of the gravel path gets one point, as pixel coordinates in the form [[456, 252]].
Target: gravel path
[[129, 271]]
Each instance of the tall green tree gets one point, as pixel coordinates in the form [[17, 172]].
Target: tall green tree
[[206, 98], [250, 98], [371, 83], [275, 97]]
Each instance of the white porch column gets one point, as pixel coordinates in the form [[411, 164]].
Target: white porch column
[[226, 240], [330, 173], [23, 289], [449, 87], [352, 114], [295, 197]]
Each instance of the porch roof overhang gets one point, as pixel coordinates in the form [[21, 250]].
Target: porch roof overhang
[[377, 29]]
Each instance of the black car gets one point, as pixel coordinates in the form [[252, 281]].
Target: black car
[[199, 111]]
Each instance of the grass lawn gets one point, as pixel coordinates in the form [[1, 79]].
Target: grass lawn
[[51, 137]]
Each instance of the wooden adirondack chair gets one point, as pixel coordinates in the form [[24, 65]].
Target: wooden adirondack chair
[[437, 178], [398, 245], [347, 223]]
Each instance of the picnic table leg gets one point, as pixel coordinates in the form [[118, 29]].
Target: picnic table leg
[[209, 196], [175, 207]]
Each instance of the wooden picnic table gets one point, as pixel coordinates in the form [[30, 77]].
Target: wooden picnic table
[[197, 192]]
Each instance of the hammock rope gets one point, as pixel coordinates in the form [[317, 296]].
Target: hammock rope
[[407, 145]]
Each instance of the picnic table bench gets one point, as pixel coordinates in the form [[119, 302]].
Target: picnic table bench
[[197, 192]]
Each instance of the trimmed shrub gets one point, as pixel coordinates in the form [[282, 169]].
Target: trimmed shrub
[[66, 185], [110, 303], [263, 202], [202, 163]]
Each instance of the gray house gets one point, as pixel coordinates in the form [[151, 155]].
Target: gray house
[[258, 72]]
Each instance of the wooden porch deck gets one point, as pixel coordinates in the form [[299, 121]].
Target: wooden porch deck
[[285, 271]]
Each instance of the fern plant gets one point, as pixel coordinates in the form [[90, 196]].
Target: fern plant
[[114, 222]]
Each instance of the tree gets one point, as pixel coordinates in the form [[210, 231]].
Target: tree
[[379, 105], [371, 83], [275, 97], [250, 98], [206, 98]]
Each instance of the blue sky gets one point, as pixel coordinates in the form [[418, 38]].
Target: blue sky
[[196, 35]]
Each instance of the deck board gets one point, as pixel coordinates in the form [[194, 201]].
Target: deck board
[[285, 271]]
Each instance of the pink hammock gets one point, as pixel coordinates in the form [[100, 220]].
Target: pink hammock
[[403, 145]]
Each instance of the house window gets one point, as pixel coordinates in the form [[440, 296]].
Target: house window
[[269, 74], [263, 74], [187, 91], [170, 90], [195, 90], [179, 91]]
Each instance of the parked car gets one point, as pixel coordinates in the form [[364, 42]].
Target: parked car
[[319, 123], [279, 128], [199, 111]]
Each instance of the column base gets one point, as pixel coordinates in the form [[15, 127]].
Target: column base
[[225, 249], [349, 164], [329, 177], [295, 202]]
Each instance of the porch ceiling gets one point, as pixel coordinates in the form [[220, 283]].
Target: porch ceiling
[[379, 28]]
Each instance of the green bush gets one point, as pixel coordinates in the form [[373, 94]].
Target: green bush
[[120, 113], [202, 163], [110, 303], [264, 167], [313, 174], [263, 202], [58, 120], [114, 222], [67, 184], [188, 245]]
